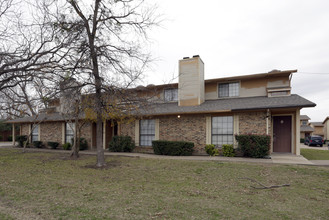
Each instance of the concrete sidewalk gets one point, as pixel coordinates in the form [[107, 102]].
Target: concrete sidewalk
[[276, 158]]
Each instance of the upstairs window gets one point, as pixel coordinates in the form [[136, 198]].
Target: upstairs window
[[35, 133], [304, 122], [170, 95], [147, 132], [228, 90]]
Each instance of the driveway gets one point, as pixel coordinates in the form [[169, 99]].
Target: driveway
[[324, 147]]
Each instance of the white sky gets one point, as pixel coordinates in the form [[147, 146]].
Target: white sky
[[240, 37]]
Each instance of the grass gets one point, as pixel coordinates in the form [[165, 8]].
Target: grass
[[312, 154], [51, 186]]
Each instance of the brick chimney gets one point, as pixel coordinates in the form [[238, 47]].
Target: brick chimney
[[191, 81]]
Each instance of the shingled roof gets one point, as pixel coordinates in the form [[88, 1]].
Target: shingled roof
[[306, 128], [231, 104], [209, 106], [304, 117], [41, 117]]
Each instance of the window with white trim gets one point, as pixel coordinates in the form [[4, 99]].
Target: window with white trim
[[222, 130], [69, 132], [170, 95], [228, 89], [35, 133], [146, 132]]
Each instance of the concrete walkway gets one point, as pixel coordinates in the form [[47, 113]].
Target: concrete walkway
[[276, 158]]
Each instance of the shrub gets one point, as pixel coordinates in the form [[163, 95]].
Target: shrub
[[53, 145], [67, 146], [0, 138], [83, 144], [173, 148], [302, 140], [21, 139], [10, 138], [211, 150], [257, 146], [228, 150], [121, 144], [37, 144]]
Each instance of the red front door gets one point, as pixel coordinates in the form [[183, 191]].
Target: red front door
[[282, 133]]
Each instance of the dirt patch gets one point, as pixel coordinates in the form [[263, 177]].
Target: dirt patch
[[108, 165]]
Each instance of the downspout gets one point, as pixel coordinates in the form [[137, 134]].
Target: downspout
[[267, 116]]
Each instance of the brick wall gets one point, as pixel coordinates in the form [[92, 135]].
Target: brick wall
[[253, 123], [51, 131], [128, 129], [186, 128], [25, 129]]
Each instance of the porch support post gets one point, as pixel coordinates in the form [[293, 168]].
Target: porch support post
[[297, 132], [14, 135]]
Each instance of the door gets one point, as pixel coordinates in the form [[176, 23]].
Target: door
[[282, 133]]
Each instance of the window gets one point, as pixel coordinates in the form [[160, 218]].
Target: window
[[35, 132], [69, 132], [304, 122], [170, 95], [147, 132], [222, 130], [228, 89]]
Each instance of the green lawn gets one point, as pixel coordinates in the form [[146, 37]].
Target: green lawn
[[311, 154], [51, 186]]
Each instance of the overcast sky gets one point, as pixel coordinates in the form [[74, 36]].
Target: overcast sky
[[239, 37]]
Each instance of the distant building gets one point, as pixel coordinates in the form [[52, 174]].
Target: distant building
[[305, 129], [326, 128], [318, 128]]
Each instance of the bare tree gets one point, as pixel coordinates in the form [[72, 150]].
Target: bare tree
[[28, 44], [108, 50]]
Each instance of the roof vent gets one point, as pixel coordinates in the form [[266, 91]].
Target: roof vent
[[196, 56], [274, 71], [184, 58]]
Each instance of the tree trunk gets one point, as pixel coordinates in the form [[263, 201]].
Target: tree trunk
[[100, 150], [76, 142]]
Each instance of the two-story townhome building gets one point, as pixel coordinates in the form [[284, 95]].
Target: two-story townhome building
[[318, 128], [305, 128], [326, 128], [200, 111]]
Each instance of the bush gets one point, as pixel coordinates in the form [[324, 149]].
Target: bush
[[21, 139], [67, 146], [0, 138], [173, 148], [121, 144], [211, 150], [37, 144], [10, 138], [83, 144], [257, 146], [228, 150], [53, 145], [302, 140]]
